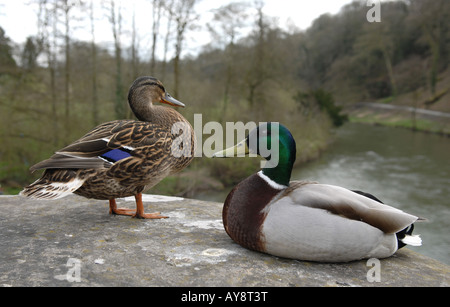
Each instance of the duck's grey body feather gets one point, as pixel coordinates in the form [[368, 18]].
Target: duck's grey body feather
[[321, 222]]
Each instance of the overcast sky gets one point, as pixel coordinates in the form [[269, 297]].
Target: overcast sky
[[18, 18]]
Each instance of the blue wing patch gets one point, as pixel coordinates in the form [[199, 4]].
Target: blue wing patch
[[116, 155]]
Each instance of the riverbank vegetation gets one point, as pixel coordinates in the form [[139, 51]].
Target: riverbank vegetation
[[400, 117], [54, 88]]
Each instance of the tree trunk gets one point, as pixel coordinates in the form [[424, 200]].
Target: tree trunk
[[67, 68], [390, 70], [116, 23], [157, 6], [95, 111], [166, 42]]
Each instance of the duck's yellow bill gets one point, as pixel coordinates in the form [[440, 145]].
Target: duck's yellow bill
[[239, 150]]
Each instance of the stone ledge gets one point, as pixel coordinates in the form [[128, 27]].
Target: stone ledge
[[189, 249]]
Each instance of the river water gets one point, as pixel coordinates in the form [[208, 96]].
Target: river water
[[404, 169]]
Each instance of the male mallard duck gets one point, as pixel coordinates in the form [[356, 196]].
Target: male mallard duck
[[123, 157], [306, 220]]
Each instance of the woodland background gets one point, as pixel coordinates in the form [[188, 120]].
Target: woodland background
[[54, 88]]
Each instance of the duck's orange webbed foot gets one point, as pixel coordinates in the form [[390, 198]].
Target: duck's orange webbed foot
[[138, 213], [140, 210], [119, 211]]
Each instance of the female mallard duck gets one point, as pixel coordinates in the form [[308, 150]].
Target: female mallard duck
[[123, 157], [306, 220]]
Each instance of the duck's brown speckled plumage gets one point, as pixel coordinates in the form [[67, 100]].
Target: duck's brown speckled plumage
[[152, 152]]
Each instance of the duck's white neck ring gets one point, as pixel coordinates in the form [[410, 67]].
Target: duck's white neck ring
[[270, 182]]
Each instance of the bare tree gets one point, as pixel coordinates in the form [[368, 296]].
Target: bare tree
[[115, 18], [168, 7], [66, 7], [225, 26], [134, 48], [157, 13], [95, 107], [257, 73], [183, 14], [47, 36]]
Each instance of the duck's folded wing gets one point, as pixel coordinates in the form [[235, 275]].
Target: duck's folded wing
[[60, 161], [102, 147], [343, 202], [83, 154]]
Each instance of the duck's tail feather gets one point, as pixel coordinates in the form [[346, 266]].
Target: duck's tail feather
[[405, 237], [44, 189], [412, 240]]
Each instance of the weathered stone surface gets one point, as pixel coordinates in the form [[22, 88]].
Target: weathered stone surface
[[37, 239]]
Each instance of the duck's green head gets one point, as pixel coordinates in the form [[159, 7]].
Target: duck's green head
[[275, 143]]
